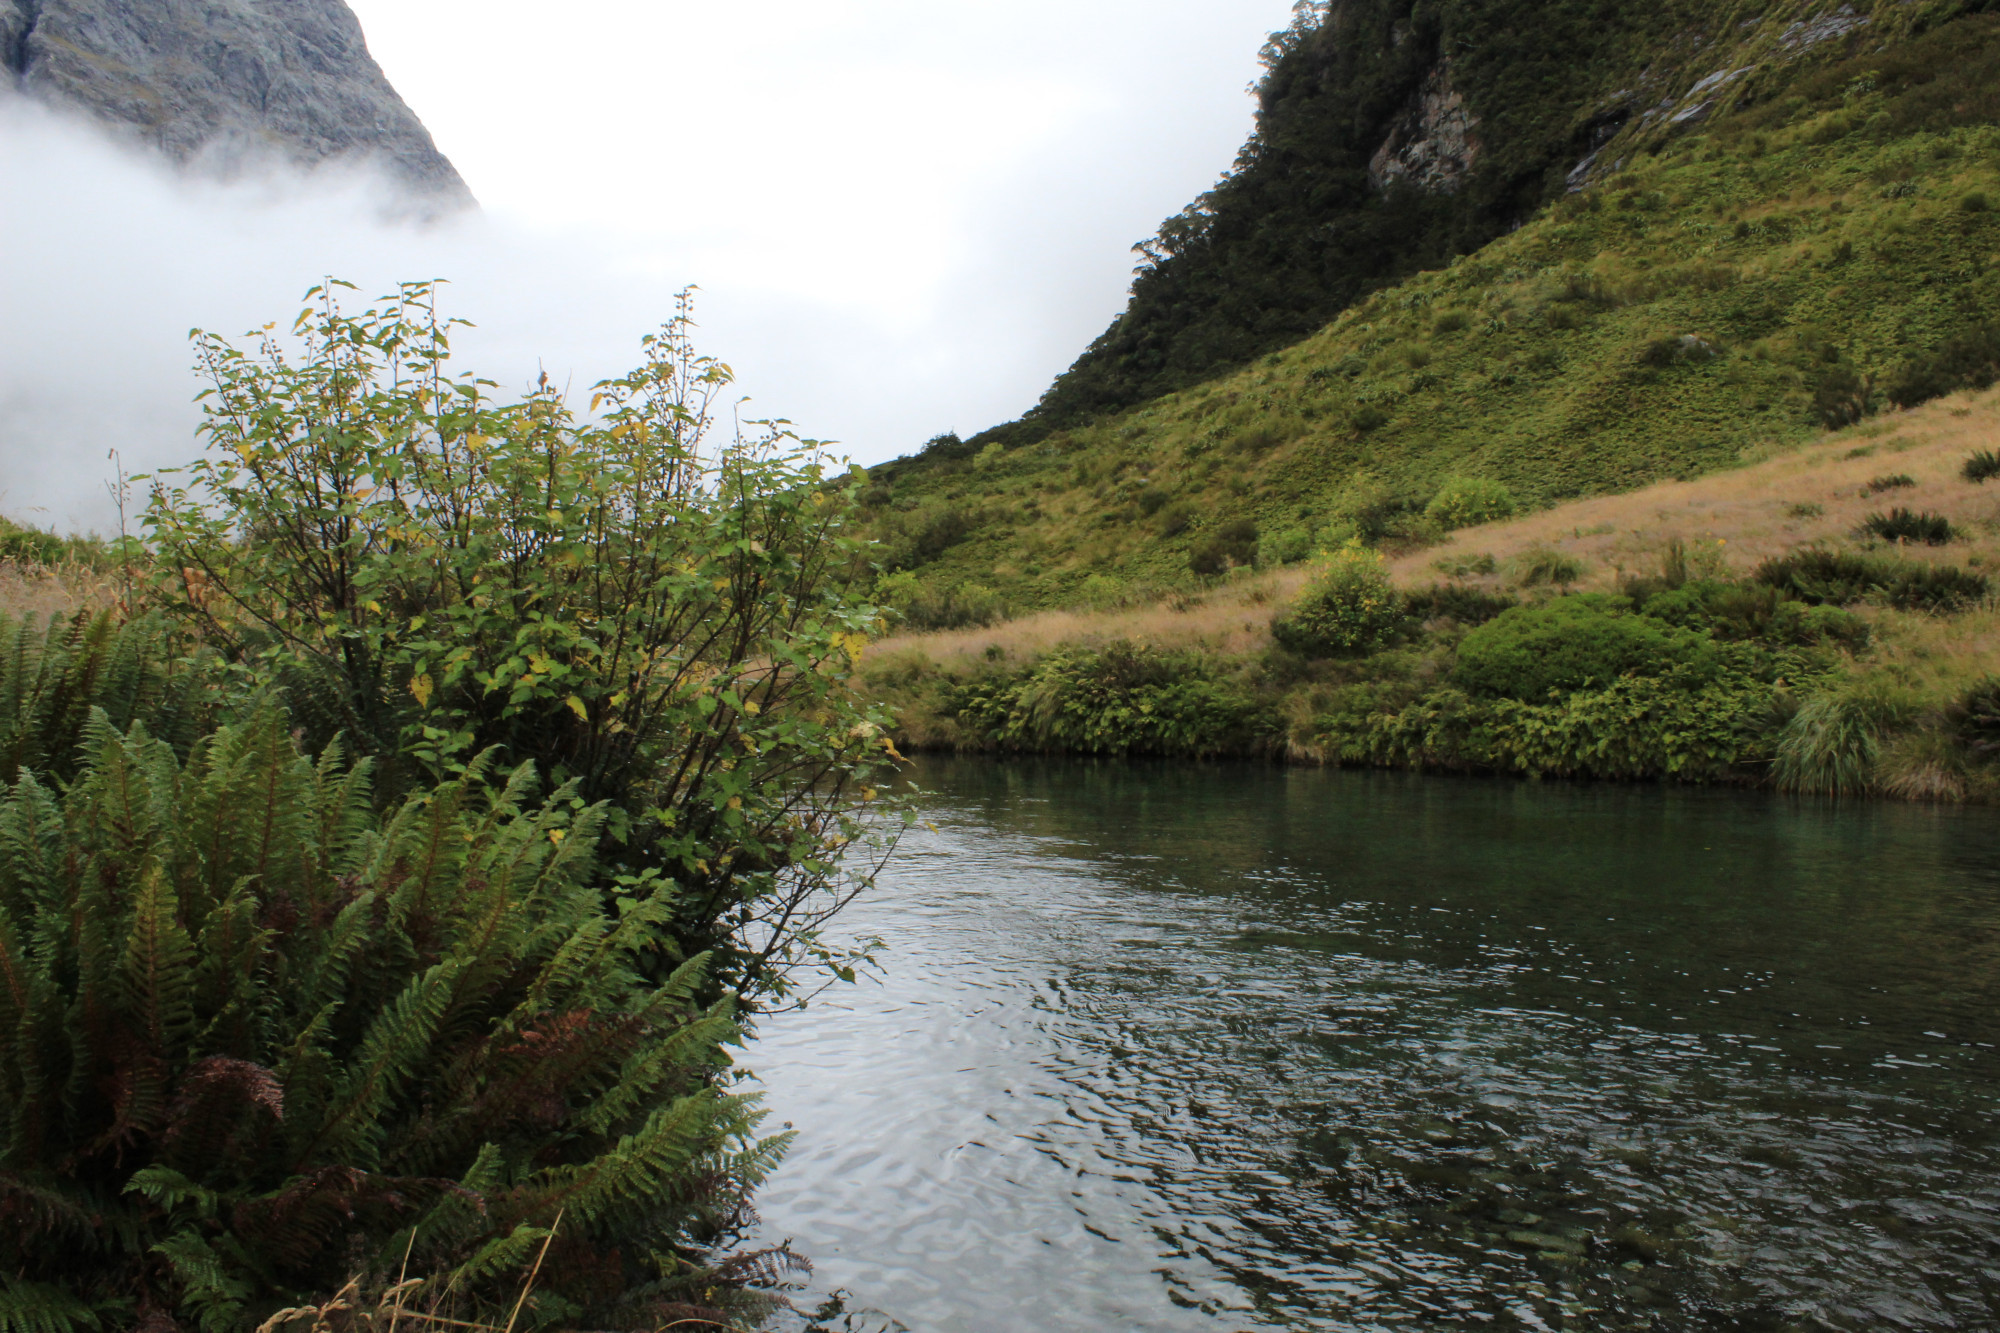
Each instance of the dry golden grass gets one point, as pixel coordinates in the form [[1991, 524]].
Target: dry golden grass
[[1747, 514], [1233, 619], [55, 590], [1730, 520]]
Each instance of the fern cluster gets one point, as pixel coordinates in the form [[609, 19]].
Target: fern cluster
[[256, 1038], [53, 676]]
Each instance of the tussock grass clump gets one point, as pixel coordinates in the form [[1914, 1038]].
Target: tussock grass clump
[[1893, 482], [1822, 577], [1983, 465], [1831, 746], [1908, 527], [1458, 602], [1544, 567]]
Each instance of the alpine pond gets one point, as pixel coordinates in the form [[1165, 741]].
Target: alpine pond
[[1231, 1047]]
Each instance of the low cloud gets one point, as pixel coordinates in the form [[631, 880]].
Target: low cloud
[[916, 241]]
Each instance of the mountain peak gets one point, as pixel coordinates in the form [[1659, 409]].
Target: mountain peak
[[222, 83]]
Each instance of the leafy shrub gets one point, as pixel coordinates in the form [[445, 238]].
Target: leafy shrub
[[1804, 509], [1121, 700], [1842, 397], [1533, 652], [255, 1040], [668, 623], [1464, 502], [1685, 723], [1175, 519], [1893, 482], [1544, 566], [1455, 601], [1973, 202], [1970, 360], [1981, 466], [1348, 609], [936, 532], [1759, 612], [1228, 546], [1975, 719], [1153, 499], [1905, 526], [1368, 418], [1816, 575]]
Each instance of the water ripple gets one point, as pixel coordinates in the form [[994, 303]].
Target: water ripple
[[1221, 1049]]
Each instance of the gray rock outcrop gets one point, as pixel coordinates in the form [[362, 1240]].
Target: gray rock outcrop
[[1431, 145], [226, 83]]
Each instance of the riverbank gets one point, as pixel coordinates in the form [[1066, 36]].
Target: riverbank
[[1741, 626]]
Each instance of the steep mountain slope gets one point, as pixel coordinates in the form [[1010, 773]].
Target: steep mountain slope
[[1395, 134], [1800, 245], [225, 81]]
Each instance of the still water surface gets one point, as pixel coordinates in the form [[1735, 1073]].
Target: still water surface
[[1220, 1048]]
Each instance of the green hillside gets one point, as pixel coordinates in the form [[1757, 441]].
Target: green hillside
[[1755, 257]]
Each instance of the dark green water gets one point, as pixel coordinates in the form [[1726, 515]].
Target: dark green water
[[1227, 1048]]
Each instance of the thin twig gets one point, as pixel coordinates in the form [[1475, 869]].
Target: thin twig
[[396, 1311], [535, 1271]]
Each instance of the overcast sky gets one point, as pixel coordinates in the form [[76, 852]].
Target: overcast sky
[[905, 217]]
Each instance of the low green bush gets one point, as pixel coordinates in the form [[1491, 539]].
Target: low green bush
[[255, 1040], [1228, 546], [1464, 502], [1285, 547], [1755, 612], [1970, 360], [921, 605], [1684, 724], [1122, 699], [1569, 643], [1981, 466], [1893, 482], [1975, 719], [1347, 610]]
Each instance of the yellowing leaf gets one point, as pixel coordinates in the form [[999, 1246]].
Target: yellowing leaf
[[736, 803], [556, 835], [576, 706], [420, 686]]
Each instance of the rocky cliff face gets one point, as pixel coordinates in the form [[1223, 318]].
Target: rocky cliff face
[[225, 83]]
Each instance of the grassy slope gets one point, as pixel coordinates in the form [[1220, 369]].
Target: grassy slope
[[1738, 517], [1836, 229], [1729, 521]]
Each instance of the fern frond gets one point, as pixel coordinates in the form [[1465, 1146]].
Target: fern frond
[[159, 968], [390, 1054], [37, 1307]]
